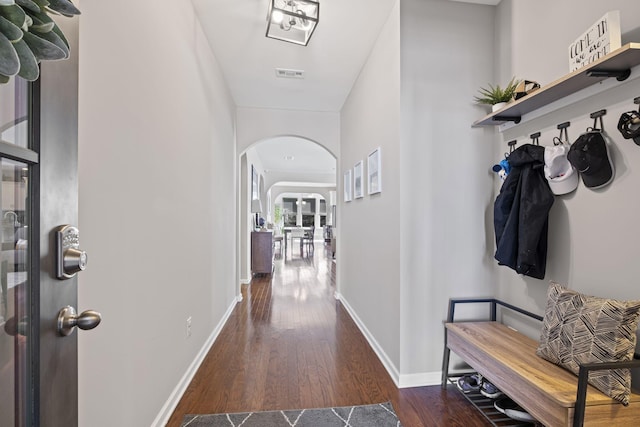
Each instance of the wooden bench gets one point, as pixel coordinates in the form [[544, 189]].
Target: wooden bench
[[548, 392]]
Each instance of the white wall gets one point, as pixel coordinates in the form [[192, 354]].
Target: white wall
[[257, 124], [157, 205], [446, 186], [368, 267], [543, 55], [593, 235], [422, 240]]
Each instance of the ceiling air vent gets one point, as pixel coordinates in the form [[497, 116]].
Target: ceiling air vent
[[289, 74]]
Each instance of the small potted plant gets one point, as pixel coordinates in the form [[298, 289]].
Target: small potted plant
[[28, 36], [496, 96]]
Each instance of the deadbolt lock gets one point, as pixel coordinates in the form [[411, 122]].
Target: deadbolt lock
[[70, 259]]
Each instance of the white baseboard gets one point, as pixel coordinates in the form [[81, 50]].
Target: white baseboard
[[420, 380], [401, 381], [388, 364], [167, 410]]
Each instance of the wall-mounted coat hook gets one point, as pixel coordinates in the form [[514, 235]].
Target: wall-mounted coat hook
[[512, 144], [534, 138], [636, 101], [597, 116], [558, 140]]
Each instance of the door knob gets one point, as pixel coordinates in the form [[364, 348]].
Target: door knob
[[68, 319]]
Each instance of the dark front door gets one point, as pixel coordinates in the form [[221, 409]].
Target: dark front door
[[39, 193]]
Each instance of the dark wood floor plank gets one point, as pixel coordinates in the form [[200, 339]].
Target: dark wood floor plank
[[290, 345]]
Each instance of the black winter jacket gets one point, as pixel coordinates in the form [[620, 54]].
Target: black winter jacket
[[521, 213]]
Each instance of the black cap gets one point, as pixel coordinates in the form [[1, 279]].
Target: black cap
[[590, 156], [629, 126]]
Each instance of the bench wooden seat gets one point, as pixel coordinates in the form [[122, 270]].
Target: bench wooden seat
[[508, 359]]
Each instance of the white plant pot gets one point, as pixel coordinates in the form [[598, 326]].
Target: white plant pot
[[496, 107]]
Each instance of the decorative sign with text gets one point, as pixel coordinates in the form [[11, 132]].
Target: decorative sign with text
[[603, 37]]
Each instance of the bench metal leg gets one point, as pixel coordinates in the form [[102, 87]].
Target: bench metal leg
[[446, 356]]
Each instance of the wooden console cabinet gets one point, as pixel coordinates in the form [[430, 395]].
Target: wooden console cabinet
[[261, 252]]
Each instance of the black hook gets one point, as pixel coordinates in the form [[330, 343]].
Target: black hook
[[534, 138], [563, 132], [595, 116], [511, 144], [637, 101]]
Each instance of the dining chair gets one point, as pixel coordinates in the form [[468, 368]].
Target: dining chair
[[297, 233], [278, 238], [308, 240]]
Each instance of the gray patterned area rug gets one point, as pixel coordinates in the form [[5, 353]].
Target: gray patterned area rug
[[378, 415]]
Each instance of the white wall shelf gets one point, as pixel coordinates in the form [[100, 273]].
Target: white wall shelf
[[622, 59]]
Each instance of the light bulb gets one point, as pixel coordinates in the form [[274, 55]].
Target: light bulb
[[303, 23], [276, 17]]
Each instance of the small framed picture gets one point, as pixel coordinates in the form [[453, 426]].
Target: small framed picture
[[374, 172], [358, 185], [347, 186], [254, 184]]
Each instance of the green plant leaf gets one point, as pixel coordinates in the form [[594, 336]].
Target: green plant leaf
[[7, 2], [29, 69], [41, 3], [52, 37], [4, 79], [10, 30], [14, 14], [41, 22], [64, 7], [27, 23], [60, 34], [494, 94], [9, 61], [29, 5], [43, 49]]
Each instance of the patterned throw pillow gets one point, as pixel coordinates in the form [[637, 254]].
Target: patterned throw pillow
[[579, 329]]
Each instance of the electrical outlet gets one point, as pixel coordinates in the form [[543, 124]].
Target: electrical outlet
[[188, 326]]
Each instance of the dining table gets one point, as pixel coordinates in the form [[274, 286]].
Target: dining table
[[287, 231]]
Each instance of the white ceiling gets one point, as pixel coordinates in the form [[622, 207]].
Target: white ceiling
[[337, 51], [291, 154], [346, 32], [341, 43]]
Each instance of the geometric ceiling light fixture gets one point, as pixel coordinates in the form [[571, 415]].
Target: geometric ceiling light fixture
[[292, 20]]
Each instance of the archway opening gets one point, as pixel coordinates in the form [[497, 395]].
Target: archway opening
[[285, 167]]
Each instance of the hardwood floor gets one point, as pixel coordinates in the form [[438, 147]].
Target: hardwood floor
[[290, 344]]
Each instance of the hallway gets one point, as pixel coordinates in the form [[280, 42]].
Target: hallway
[[290, 344]]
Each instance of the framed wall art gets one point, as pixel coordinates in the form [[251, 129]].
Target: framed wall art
[[255, 194], [358, 185], [347, 186], [374, 172]]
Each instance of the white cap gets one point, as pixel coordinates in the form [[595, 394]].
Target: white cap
[[562, 177]]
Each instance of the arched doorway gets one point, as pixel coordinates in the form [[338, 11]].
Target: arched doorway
[[274, 166]]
